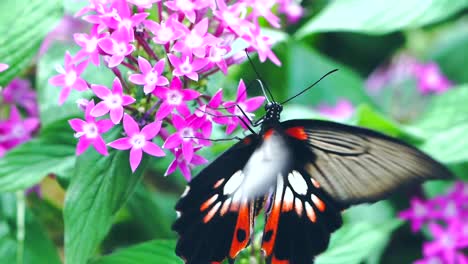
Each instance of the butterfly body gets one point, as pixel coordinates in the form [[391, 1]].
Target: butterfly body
[[303, 173]]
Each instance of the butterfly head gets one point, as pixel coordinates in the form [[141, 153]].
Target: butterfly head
[[273, 111]]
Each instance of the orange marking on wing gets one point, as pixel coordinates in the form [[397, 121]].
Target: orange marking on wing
[[208, 202], [297, 132], [288, 200], [268, 134], [310, 212], [211, 213], [225, 207], [243, 223], [272, 225], [319, 203], [298, 206], [218, 183], [274, 260]]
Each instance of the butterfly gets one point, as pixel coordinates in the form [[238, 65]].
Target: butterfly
[[303, 174]]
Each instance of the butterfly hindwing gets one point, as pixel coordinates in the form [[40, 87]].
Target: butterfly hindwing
[[214, 225], [355, 165], [299, 220]]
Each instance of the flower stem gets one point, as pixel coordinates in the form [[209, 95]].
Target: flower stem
[[119, 75], [146, 47], [130, 66], [20, 219]]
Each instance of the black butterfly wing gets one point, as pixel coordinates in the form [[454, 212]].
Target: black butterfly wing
[[211, 226], [356, 165], [299, 220]]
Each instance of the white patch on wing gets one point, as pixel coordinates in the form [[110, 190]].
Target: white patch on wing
[[261, 171], [187, 189], [297, 182], [233, 183]]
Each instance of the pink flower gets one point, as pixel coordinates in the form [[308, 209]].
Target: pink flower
[[247, 105], [3, 67], [19, 92], [205, 115], [69, 77], [117, 46], [174, 97], [187, 66], [167, 31], [419, 213], [151, 76], [261, 44], [431, 79], [187, 7], [216, 55], [89, 44], [195, 41], [138, 141], [292, 9], [89, 132], [447, 241], [113, 102], [15, 130], [187, 136], [262, 8], [343, 110], [230, 16], [147, 4], [184, 165]]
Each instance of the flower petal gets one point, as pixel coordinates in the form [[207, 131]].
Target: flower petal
[[187, 150], [153, 150], [254, 103], [77, 124], [100, 91], [130, 126], [144, 65], [164, 110], [116, 114], [104, 125], [172, 141], [135, 158], [121, 143], [83, 144], [100, 146], [151, 130], [100, 109]]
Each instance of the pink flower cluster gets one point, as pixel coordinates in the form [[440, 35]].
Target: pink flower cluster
[[16, 128], [159, 52], [447, 219], [342, 110]]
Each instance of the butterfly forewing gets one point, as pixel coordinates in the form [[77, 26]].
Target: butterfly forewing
[[215, 219], [356, 165]]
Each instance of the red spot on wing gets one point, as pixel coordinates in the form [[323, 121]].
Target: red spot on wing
[[274, 260], [268, 134], [243, 223], [297, 132], [272, 225], [318, 202]]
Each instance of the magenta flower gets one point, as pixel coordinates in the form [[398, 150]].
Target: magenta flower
[[147, 4], [230, 17], [343, 110], [292, 10], [184, 165], [263, 9], [187, 66], [195, 41], [3, 67], [117, 45], [186, 137], [261, 44], [206, 114], [418, 214], [138, 141], [122, 17], [113, 102], [247, 105], [186, 7], [69, 77], [89, 132], [89, 45], [174, 97], [167, 31], [151, 76], [447, 241], [20, 92], [15, 130], [216, 56], [430, 78]]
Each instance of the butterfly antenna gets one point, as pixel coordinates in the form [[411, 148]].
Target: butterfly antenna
[[260, 80], [310, 86]]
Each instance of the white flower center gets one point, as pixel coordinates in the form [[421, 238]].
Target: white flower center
[[113, 101], [216, 54], [90, 130], [447, 241], [185, 5], [174, 98], [70, 78], [193, 40], [419, 210], [91, 45], [151, 78], [138, 141], [186, 67], [120, 49], [451, 210], [187, 134], [18, 131], [127, 23], [434, 260], [165, 34]]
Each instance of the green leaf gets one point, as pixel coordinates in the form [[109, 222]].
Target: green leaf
[[155, 251], [305, 66], [368, 117], [52, 152], [354, 243], [23, 25], [449, 146], [380, 16], [99, 188], [444, 112]]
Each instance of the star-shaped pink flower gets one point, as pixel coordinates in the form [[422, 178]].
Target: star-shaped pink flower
[[89, 132], [447, 241], [174, 97], [16, 130], [150, 77], [138, 141], [186, 7], [261, 44], [247, 105], [343, 110], [89, 45], [117, 45], [194, 41], [184, 165], [419, 213], [187, 66], [69, 77], [167, 31], [112, 101]]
